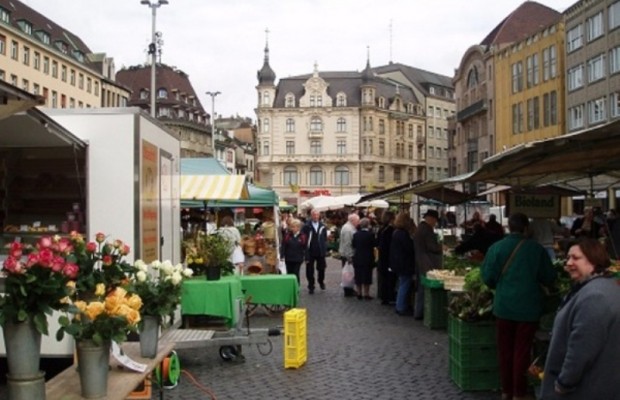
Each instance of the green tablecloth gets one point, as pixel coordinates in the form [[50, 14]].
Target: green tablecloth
[[271, 289], [203, 297]]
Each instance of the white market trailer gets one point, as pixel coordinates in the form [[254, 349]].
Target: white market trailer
[[121, 171]]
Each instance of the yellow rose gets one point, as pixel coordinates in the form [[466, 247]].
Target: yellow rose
[[123, 310], [119, 292], [100, 289], [112, 304], [65, 300], [94, 309], [81, 305], [71, 285], [135, 302], [133, 316]]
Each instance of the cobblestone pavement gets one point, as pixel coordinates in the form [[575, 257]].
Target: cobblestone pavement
[[356, 350]]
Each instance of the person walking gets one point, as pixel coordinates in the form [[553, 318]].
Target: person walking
[[584, 350], [402, 261], [345, 247], [293, 247], [387, 279], [316, 250], [364, 243], [516, 267], [428, 254]]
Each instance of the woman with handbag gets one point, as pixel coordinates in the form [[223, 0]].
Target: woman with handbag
[[516, 267]]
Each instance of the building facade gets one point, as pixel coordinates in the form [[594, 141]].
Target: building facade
[[40, 57], [436, 93], [529, 87], [336, 133], [592, 63], [176, 103], [475, 127]]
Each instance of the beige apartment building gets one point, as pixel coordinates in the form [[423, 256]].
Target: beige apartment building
[[592, 63], [436, 93], [42, 58], [336, 133]]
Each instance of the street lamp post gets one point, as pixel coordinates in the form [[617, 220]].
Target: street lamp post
[[153, 47], [213, 95]]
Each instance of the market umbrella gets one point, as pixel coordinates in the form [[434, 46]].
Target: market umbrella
[[377, 203]]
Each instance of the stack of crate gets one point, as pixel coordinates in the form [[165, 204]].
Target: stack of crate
[[295, 338], [435, 304], [473, 354]]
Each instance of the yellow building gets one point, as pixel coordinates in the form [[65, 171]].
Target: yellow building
[[529, 88], [42, 58]]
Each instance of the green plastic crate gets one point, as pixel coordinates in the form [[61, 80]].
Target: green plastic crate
[[481, 332], [435, 308], [467, 378], [431, 283], [473, 356]]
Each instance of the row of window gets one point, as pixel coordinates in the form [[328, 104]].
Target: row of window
[[47, 66], [179, 113], [596, 111], [439, 113], [341, 176], [40, 34], [595, 69], [594, 28], [162, 93], [53, 101], [437, 132], [533, 71], [550, 113]]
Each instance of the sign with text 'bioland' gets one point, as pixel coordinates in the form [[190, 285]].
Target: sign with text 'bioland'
[[535, 205]]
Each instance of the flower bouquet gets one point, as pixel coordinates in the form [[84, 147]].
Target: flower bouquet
[[36, 284], [209, 250], [159, 286]]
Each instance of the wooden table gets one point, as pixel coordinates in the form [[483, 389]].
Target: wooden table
[[121, 382]]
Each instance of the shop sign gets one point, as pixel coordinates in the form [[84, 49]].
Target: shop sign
[[535, 205]]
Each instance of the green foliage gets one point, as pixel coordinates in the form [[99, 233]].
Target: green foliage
[[476, 302], [209, 250], [459, 265]]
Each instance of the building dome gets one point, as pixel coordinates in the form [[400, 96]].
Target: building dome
[[266, 75]]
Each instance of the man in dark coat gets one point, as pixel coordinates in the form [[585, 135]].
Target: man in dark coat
[[316, 233], [386, 277], [428, 254]]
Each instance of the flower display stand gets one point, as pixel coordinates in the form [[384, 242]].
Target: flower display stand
[[473, 354]]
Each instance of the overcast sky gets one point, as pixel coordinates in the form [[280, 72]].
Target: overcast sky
[[220, 43]]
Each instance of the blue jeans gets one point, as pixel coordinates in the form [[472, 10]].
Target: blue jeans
[[403, 303]]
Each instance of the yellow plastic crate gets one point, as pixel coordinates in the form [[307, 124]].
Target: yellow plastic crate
[[295, 338]]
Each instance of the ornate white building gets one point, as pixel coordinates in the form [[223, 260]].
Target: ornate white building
[[337, 133]]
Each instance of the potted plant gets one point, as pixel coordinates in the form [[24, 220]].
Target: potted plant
[[159, 285], [209, 255]]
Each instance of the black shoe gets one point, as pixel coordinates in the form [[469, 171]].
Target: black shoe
[[408, 313], [419, 318], [368, 297], [311, 291], [359, 297], [322, 285]]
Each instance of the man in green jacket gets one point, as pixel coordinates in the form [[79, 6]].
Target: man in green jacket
[[516, 267]]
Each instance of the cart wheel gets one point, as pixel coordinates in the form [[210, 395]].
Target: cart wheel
[[228, 353], [265, 348]]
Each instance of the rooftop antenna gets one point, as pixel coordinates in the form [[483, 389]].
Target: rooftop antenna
[[391, 26]]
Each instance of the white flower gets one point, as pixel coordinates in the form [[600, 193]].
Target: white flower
[[141, 276], [178, 267], [155, 264], [141, 265], [166, 267], [188, 272], [176, 278]]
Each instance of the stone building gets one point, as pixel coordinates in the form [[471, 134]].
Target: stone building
[[336, 132]]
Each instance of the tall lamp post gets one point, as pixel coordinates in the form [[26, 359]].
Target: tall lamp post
[[153, 47], [213, 95]]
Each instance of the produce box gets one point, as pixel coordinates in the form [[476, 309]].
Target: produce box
[[467, 378], [473, 356], [432, 283], [435, 308], [469, 333]]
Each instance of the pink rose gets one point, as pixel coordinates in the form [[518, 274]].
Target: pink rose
[[16, 250], [46, 256], [45, 242], [117, 243], [91, 247], [125, 250], [100, 237], [58, 264], [13, 266], [33, 259], [71, 270], [65, 246]]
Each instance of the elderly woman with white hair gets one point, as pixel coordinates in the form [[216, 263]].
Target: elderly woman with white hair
[[364, 243]]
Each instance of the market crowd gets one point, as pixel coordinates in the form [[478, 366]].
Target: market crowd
[[582, 356]]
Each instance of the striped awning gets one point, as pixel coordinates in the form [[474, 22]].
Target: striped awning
[[214, 187]]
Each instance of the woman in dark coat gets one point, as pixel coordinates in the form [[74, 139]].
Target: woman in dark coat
[[386, 277], [402, 261], [364, 244], [293, 248]]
